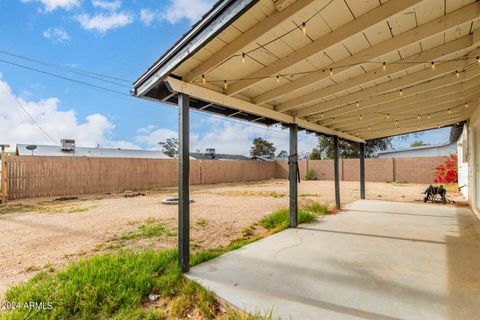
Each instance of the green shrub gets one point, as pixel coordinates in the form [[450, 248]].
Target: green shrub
[[309, 175]]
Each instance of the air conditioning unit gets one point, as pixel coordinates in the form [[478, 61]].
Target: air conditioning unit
[[68, 145]]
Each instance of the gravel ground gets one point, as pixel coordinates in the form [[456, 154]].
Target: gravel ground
[[56, 233]]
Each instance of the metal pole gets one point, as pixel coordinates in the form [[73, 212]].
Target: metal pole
[[293, 175], [336, 154], [362, 170], [183, 183]]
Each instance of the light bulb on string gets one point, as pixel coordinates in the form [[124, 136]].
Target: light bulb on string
[[384, 67], [449, 111], [331, 72], [433, 65], [428, 116], [401, 92], [203, 79], [360, 117], [278, 79], [243, 58], [321, 115], [388, 116], [418, 116], [304, 28], [225, 85], [457, 74], [478, 59], [358, 104], [466, 105]]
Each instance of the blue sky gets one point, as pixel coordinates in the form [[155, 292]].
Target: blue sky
[[120, 39]]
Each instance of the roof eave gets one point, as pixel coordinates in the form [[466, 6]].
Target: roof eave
[[222, 14]]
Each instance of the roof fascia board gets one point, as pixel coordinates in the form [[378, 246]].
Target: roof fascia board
[[215, 22]]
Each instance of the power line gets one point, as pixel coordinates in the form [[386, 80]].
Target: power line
[[28, 115], [94, 75]]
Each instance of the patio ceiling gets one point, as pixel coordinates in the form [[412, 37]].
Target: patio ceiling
[[358, 69]]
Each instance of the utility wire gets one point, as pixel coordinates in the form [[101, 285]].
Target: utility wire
[[27, 114], [94, 75]]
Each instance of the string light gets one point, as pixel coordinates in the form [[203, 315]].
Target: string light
[[418, 128], [466, 105], [396, 122], [278, 79], [304, 28], [401, 92], [369, 129], [418, 116], [449, 111], [333, 120], [203, 79], [360, 117], [433, 65], [331, 72], [478, 59], [457, 74], [358, 104], [428, 116], [322, 115], [384, 66], [388, 116], [225, 85], [243, 57]]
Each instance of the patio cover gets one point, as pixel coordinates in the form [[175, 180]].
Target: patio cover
[[356, 69]]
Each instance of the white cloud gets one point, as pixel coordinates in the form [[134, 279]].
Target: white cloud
[[147, 16], [192, 11], [231, 137], [176, 11], [104, 22], [15, 127], [51, 5], [56, 35], [107, 5]]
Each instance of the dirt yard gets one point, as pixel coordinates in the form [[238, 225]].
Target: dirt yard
[[44, 234]]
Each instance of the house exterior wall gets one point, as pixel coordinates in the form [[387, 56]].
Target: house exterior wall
[[463, 159], [422, 152]]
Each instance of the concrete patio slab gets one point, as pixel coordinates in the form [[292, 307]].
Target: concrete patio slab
[[376, 260]]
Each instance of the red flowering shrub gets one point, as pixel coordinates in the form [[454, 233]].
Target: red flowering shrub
[[448, 171]]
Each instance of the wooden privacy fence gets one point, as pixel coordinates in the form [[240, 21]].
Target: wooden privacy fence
[[29, 177]]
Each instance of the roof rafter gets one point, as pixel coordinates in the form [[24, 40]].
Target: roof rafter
[[427, 97], [246, 38], [371, 93], [455, 103], [375, 74], [217, 98], [346, 31], [425, 31]]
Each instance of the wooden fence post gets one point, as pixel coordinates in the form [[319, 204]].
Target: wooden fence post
[[4, 178]]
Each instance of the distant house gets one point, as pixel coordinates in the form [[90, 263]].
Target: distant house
[[443, 149], [210, 154], [68, 149]]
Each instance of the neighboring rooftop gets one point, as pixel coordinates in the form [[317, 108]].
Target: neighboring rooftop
[[58, 151]]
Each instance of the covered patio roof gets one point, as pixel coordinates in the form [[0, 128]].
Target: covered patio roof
[[356, 69]]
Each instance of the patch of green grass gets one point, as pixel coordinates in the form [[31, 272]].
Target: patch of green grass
[[201, 222], [304, 195], [280, 219], [149, 230], [12, 208], [74, 209], [317, 208], [116, 286], [248, 231]]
